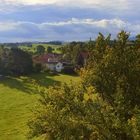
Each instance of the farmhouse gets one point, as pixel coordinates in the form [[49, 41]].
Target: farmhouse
[[50, 61]]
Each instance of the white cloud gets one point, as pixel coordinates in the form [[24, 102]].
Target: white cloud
[[6, 26], [67, 28], [113, 4], [74, 29], [90, 22], [104, 23], [10, 25]]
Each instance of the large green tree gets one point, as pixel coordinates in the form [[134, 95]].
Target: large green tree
[[15, 61], [104, 106], [116, 77], [137, 41], [5, 59], [40, 49], [72, 52], [49, 49]]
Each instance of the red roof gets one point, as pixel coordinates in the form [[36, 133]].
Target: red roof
[[47, 58]]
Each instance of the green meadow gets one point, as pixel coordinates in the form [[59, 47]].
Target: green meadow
[[18, 97], [33, 48]]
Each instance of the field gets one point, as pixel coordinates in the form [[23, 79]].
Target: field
[[18, 96], [33, 48]]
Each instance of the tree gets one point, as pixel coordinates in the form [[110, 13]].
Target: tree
[[104, 106], [71, 51], [78, 112], [123, 38], [101, 45], [21, 62], [40, 49], [4, 58], [137, 41], [37, 67], [71, 112], [118, 62], [116, 78], [15, 61], [49, 49]]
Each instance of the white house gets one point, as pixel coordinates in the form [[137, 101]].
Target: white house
[[59, 67], [50, 61], [54, 66], [50, 66]]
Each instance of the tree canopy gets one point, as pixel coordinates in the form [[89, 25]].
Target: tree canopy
[[103, 106], [49, 49], [15, 61], [40, 49]]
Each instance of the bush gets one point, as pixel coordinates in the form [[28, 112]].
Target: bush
[[68, 70], [37, 67], [76, 112]]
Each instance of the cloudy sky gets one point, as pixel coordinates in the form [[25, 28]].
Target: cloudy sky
[[66, 20]]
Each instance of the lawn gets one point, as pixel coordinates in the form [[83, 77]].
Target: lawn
[[18, 96]]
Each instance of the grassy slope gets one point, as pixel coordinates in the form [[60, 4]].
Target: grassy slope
[[17, 97]]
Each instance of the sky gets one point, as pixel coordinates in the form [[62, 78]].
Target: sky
[[66, 20]]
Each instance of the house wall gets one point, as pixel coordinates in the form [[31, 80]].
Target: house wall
[[59, 67], [51, 66]]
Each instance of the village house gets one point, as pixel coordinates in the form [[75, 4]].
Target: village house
[[50, 61]]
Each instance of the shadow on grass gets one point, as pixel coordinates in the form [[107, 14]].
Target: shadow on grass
[[72, 74], [44, 80], [29, 84]]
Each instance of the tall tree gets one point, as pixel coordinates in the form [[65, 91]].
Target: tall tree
[[137, 41], [116, 79], [104, 106], [40, 49], [15, 61], [49, 49]]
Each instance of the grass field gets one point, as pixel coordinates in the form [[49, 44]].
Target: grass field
[[18, 96], [33, 48]]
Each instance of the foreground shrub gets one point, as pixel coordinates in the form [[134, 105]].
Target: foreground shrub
[[105, 106], [75, 112]]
